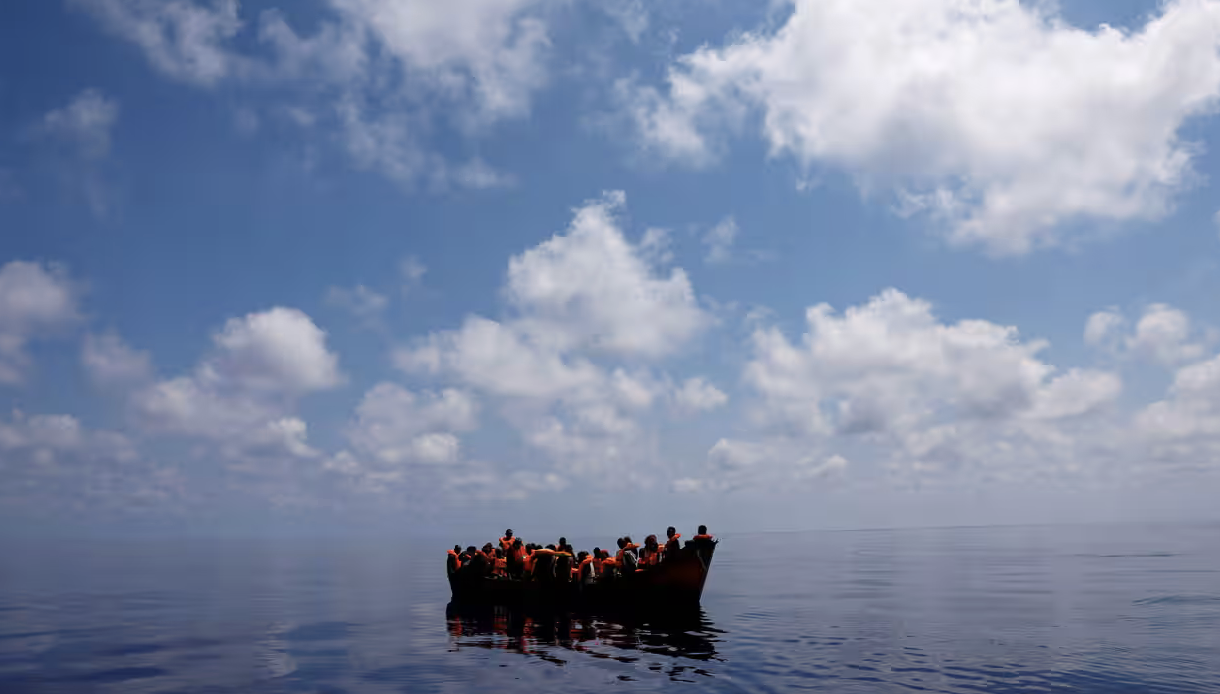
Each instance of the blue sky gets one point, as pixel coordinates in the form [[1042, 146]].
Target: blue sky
[[354, 266]]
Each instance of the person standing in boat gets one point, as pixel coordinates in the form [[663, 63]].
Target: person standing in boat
[[650, 555], [506, 542], [671, 543], [516, 559]]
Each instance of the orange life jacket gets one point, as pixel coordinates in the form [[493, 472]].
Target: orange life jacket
[[502, 566], [702, 537], [457, 562], [527, 563], [506, 543]]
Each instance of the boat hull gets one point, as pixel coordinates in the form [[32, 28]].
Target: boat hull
[[678, 580]]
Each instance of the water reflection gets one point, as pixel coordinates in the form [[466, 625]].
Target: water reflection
[[623, 635]]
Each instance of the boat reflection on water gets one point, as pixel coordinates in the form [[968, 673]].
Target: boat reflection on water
[[621, 634]]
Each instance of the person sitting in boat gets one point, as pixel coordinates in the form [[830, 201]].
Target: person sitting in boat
[[671, 544], [453, 560], [650, 555], [506, 542], [702, 536], [476, 563]]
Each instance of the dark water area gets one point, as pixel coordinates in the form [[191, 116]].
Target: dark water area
[[1030, 609]]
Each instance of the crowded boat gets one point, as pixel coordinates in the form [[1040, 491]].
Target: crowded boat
[[512, 569]]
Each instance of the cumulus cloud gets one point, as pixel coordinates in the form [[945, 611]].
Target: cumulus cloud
[[241, 397], [1163, 335], [962, 108], [575, 301], [924, 394], [590, 288], [35, 300], [395, 426]]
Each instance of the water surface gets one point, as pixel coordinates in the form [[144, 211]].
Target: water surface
[[1033, 609]]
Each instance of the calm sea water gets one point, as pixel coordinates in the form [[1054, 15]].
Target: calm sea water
[[1033, 609]]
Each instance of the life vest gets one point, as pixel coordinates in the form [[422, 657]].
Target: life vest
[[502, 566], [628, 561], [506, 543], [702, 537], [452, 562], [587, 567], [527, 563]]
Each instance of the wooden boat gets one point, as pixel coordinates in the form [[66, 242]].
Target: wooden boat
[[678, 580]]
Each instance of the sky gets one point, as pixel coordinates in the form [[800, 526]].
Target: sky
[[386, 266]]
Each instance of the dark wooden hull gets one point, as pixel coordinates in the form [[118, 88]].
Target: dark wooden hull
[[676, 581]]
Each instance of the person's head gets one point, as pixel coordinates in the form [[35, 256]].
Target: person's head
[[563, 542], [671, 531], [517, 543], [703, 530], [553, 548], [499, 553], [471, 550], [597, 552], [457, 548], [487, 547], [622, 543], [508, 533], [582, 556], [627, 539], [650, 541]]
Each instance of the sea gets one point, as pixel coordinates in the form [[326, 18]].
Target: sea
[[1097, 609]]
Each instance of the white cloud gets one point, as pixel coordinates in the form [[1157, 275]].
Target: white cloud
[[1163, 335], [591, 289], [279, 350], [35, 300], [1102, 328], [962, 107], [495, 357], [53, 463], [696, 395], [360, 301], [85, 123], [719, 241], [111, 362], [394, 426], [182, 39], [575, 300], [240, 399], [925, 395], [387, 72]]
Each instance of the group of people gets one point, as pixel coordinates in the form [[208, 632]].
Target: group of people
[[515, 560]]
